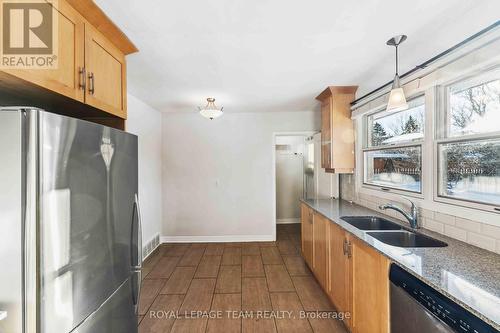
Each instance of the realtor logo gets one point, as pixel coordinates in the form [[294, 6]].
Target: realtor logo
[[29, 34]]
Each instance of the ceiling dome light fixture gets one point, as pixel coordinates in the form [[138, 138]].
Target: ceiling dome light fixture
[[397, 98], [210, 111]]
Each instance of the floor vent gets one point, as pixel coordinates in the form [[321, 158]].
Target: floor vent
[[150, 246]]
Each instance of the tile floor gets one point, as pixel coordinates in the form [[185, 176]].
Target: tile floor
[[196, 287]]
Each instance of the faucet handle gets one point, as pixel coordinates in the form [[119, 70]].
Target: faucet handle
[[412, 204], [414, 213]]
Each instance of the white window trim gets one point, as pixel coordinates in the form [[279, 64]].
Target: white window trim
[[417, 143], [441, 137], [470, 59], [428, 198]]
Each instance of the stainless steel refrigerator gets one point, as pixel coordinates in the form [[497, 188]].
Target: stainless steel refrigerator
[[318, 184], [70, 238]]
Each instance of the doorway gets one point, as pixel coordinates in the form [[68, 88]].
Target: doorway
[[289, 169]]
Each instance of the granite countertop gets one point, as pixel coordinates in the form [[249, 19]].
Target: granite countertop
[[468, 275]]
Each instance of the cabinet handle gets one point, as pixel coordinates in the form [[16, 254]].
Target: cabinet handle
[[83, 79], [91, 84], [349, 249], [344, 247]]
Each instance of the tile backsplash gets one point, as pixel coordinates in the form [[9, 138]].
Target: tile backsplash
[[469, 231]]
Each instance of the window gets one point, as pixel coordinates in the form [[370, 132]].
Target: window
[[474, 106], [470, 170], [469, 143], [397, 127], [393, 151], [395, 167]]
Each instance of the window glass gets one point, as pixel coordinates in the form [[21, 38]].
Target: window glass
[[474, 106], [397, 127], [470, 170], [398, 168]]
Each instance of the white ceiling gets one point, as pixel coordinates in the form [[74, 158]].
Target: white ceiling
[[277, 55]]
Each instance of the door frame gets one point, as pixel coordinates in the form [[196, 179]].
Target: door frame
[[273, 147]]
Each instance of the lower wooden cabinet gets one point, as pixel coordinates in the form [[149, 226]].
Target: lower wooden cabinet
[[339, 270], [354, 275], [307, 233], [320, 265], [370, 289]]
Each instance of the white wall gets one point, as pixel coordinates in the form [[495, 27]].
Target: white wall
[[145, 122], [218, 175]]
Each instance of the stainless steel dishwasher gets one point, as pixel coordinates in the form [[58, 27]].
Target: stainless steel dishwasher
[[418, 308]]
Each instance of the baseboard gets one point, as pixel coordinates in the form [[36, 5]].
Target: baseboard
[[287, 221], [217, 239]]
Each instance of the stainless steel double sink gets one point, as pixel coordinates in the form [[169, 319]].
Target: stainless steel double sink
[[391, 233]]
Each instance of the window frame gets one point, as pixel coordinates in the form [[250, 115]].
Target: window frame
[[442, 136], [420, 143]]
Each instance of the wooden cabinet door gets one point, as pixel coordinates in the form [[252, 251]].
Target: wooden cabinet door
[[370, 289], [306, 236], [337, 134], [320, 225], [106, 74], [339, 271], [342, 134], [65, 79], [326, 134]]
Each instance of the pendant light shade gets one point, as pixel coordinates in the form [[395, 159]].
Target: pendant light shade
[[397, 98], [210, 111]]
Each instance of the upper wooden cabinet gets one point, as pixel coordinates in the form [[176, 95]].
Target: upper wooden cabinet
[[90, 80], [64, 80], [106, 74], [337, 130]]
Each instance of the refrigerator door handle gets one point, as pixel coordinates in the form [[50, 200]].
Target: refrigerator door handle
[[138, 265], [137, 290]]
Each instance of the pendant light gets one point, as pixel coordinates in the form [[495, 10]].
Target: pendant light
[[210, 111], [397, 98]]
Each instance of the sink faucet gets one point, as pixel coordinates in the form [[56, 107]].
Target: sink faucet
[[412, 217]]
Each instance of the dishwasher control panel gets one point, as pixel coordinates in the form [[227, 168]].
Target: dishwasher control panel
[[449, 312]]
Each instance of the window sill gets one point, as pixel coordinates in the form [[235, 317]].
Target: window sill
[[441, 205], [390, 190]]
